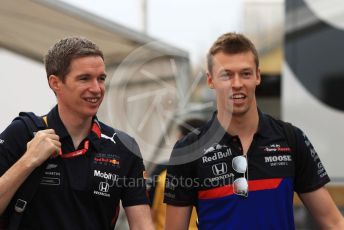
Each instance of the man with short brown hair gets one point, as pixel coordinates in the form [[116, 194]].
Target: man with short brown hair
[[84, 163], [243, 170]]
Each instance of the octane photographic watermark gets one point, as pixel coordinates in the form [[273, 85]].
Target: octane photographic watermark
[[148, 94], [173, 182]]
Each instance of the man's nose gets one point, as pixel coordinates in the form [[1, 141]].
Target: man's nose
[[236, 81], [95, 86]]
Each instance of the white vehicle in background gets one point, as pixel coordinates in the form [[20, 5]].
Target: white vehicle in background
[[313, 81]]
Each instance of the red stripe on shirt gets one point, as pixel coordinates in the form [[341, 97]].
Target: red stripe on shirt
[[227, 190], [96, 129]]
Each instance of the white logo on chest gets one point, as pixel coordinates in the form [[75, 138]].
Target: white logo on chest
[[216, 156], [109, 138]]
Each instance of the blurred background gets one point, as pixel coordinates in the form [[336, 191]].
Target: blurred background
[[155, 55]]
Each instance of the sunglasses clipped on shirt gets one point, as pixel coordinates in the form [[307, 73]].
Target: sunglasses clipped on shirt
[[240, 185]]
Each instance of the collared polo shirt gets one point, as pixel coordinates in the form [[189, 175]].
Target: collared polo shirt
[[80, 192], [202, 173]]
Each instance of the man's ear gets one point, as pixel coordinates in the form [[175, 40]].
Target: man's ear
[[54, 82], [259, 79], [210, 81]]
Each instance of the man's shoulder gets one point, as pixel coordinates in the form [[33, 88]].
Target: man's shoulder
[[113, 132], [282, 123], [286, 128], [120, 139], [108, 130], [15, 137], [191, 137], [18, 126]]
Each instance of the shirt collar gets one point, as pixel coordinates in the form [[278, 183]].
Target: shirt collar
[[95, 134], [55, 122], [264, 128], [214, 128]]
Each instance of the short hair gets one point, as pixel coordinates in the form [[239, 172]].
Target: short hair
[[190, 125], [59, 57], [231, 43]]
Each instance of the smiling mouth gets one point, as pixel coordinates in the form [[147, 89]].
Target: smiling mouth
[[237, 96], [93, 100]]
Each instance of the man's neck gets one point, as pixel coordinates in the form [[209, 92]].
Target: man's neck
[[77, 127], [242, 125]]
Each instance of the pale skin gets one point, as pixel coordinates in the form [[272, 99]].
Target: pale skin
[[78, 97], [234, 79]]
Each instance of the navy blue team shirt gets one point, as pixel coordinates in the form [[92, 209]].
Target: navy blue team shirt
[[82, 192], [201, 174]]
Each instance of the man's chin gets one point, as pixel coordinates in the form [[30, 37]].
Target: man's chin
[[235, 111], [239, 112], [91, 113]]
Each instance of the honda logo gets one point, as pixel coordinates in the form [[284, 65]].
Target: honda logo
[[104, 187], [219, 169]]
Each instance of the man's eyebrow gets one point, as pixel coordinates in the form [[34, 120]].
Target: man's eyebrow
[[83, 75], [225, 71], [88, 75], [247, 69]]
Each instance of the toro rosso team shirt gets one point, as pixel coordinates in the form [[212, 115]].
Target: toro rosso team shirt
[[202, 173], [81, 192]]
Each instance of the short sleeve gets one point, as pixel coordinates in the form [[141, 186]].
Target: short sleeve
[[134, 185], [180, 189], [310, 173]]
